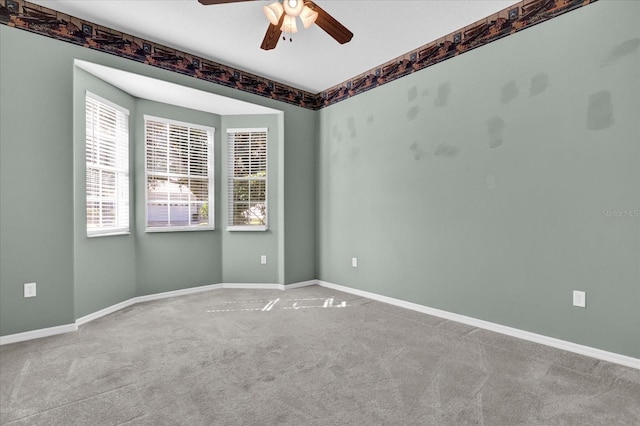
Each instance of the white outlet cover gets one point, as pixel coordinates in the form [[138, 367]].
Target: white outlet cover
[[263, 259], [354, 262], [579, 299], [30, 290]]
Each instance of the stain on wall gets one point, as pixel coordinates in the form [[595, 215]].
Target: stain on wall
[[416, 151], [444, 90], [539, 83], [495, 127], [351, 125], [413, 112], [626, 48], [509, 92], [336, 133], [370, 119], [412, 93], [600, 111], [446, 150]]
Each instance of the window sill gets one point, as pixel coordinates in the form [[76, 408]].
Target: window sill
[[113, 233], [247, 228], [180, 229]]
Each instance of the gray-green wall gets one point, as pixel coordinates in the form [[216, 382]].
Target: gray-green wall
[[241, 257], [109, 270], [42, 225], [36, 182], [479, 185], [175, 260], [97, 283]]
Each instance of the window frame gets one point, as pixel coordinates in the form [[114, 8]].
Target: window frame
[[122, 197], [230, 180], [210, 175]]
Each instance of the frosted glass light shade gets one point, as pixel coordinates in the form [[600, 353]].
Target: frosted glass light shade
[[308, 16], [293, 7], [273, 12], [289, 25]]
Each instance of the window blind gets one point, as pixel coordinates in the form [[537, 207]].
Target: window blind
[[179, 175], [247, 179], [107, 167]]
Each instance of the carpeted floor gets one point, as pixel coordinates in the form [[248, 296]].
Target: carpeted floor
[[309, 356]]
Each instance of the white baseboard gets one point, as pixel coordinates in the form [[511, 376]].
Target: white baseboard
[[36, 334], [106, 311], [175, 293], [300, 284], [486, 325], [498, 328], [263, 286], [51, 331]]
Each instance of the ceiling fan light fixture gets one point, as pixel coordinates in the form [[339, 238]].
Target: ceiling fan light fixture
[[273, 12], [308, 16], [289, 25], [293, 7]]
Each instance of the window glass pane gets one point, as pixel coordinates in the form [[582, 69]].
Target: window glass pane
[[240, 214], [93, 214]]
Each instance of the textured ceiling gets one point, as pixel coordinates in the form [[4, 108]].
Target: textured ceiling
[[231, 33]]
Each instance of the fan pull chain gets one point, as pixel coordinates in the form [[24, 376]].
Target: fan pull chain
[[284, 37]]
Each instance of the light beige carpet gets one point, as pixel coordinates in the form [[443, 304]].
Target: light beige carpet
[[310, 356]]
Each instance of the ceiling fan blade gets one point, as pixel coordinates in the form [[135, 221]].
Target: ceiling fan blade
[[328, 23], [208, 2], [272, 36]]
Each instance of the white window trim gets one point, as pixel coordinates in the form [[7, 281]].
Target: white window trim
[[250, 228], [211, 165], [247, 228], [121, 230], [109, 233]]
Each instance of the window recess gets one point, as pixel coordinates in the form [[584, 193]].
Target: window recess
[[247, 175], [107, 167], [178, 176]]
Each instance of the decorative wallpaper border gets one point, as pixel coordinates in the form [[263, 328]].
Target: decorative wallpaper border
[[508, 21], [50, 23]]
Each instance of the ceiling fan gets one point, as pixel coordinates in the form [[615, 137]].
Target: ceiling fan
[[282, 17]]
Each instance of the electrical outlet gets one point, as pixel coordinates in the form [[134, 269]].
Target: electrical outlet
[[579, 299], [263, 259], [354, 262], [30, 290]]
